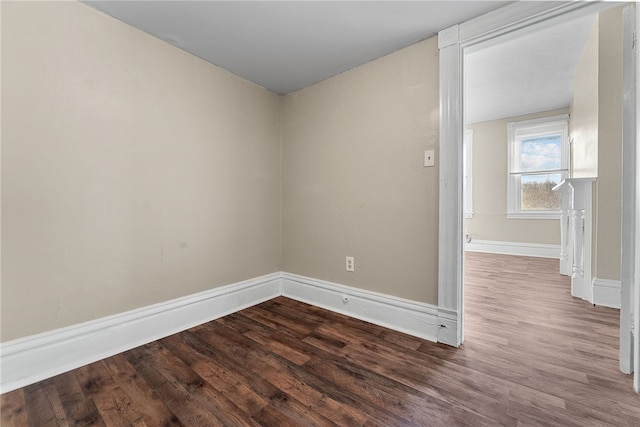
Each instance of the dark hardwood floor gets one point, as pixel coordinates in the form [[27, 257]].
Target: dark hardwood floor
[[533, 355]]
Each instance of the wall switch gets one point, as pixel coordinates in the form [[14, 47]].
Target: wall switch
[[429, 158], [351, 264]]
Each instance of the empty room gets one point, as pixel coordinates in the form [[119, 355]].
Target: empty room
[[271, 213]]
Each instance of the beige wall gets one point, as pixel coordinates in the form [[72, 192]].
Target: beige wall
[[608, 185], [596, 123], [583, 126], [354, 181], [489, 222], [132, 172]]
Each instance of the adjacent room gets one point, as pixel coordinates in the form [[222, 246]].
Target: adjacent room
[[301, 213], [522, 142]]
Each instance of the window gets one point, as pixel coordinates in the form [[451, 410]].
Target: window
[[467, 167], [538, 161]]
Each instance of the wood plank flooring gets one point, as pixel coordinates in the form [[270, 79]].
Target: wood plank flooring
[[533, 356]]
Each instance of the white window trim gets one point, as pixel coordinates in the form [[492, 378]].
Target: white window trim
[[467, 185], [513, 183]]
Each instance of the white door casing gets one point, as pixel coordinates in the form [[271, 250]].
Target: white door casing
[[628, 273], [635, 287], [452, 42]]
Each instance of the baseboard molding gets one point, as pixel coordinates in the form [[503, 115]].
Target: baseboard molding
[[28, 360], [31, 359], [448, 327], [514, 248], [607, 293], [410, 317]]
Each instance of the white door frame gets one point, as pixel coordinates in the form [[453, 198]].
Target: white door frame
[[628, 272], [525, 16], [635, 292]]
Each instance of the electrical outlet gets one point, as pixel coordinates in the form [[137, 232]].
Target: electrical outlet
[[351, 264]]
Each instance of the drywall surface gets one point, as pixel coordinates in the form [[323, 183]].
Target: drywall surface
[[354, 183], [609, 183], [490, 172], [596, 132], [132, 172], [583, 126]]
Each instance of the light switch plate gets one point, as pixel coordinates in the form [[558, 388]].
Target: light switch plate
[[429, 158]]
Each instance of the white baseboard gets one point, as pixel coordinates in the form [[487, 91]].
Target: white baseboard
[[514, 248], [34, 358], [31, 359], [448, 327], [410, 317], [607, 293]]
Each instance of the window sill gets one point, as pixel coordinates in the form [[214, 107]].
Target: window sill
[[533, 215]]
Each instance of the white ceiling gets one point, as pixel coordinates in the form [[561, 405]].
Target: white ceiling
[[524, 73], [288, 45]]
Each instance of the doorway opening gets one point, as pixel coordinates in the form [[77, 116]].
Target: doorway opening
[[519, 92], [454, 43]]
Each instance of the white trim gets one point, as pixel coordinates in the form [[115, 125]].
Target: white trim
[[450, 206], [447, 326], [522, 16], [534, 214], [467, 184], [34, 358], [31, 359], [538, 250], [607, 293], [527, 16], [516, 131], [448, 37], [634, 292], [629, 226], [411, 317]]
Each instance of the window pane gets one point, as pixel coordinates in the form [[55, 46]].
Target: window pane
[[540, 153], [536, 192]]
